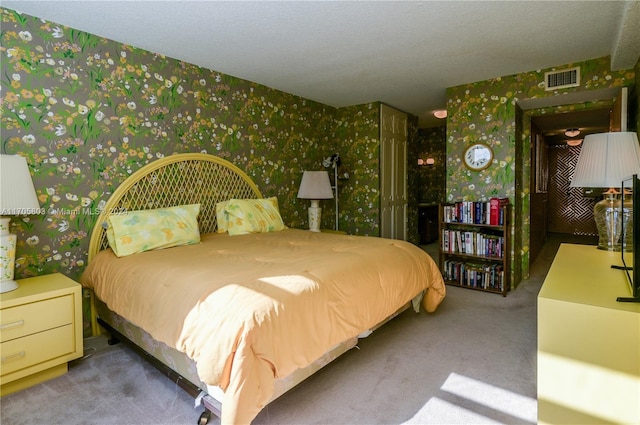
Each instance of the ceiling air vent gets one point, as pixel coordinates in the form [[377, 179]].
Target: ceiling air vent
[[562, 79]]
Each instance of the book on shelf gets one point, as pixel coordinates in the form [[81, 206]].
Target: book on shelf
[[495, 211], [468, 242], [476, 212], [479, 243], [482, 276]]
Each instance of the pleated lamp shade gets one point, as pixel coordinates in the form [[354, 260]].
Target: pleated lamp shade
[[606, 159]]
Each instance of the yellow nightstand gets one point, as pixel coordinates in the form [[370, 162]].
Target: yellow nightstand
[[40, 331], [588, 343]]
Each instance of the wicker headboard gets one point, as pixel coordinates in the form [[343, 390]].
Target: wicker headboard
[[180, 179]]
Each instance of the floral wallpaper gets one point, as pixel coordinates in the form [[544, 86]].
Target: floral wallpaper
[[431, 181], [413, 186], [486, 111], [87, 112], [636, 99], [357, 137]]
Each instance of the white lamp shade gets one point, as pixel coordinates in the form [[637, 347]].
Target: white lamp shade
[[606, 159], [17, 194], [315, 185], [17, 197]]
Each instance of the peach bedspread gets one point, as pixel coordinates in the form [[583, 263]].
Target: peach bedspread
[[252, 308]]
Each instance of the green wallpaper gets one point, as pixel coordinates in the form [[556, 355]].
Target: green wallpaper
[[636, 98], [357, 135], [431, 179], [413, 177], [86, 112], [486, 111]]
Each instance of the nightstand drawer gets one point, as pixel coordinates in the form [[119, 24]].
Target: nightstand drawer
[[37, 348], [28, 319]]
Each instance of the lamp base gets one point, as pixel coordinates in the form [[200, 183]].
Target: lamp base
[[8, 286], [7, 256], [608, 222], [314, 216]]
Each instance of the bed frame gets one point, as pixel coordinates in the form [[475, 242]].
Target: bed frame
[[177, 180], [180, 179]]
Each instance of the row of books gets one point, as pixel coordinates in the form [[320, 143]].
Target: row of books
[[472, 243], [484, 276], [478, 212]]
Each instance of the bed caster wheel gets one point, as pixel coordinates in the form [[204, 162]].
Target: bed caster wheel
[[204, 418], [113, 340]]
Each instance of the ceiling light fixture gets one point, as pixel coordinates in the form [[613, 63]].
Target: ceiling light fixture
[[572, 132], [574, 142], [440, 113]]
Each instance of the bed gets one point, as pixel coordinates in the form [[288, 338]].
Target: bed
[[240, 314]]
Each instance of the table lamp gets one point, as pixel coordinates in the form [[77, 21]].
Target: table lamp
[[604, 161], [17, 197], [315, 185]]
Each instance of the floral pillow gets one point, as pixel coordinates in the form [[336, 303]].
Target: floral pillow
[[144, 230], [252, 216]]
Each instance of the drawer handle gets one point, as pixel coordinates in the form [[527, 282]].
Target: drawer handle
[[13, 357], [12, 324]]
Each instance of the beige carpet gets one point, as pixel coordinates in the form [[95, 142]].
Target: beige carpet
[[473, 361]]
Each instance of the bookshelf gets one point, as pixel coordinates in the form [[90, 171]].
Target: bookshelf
[[475, 248]]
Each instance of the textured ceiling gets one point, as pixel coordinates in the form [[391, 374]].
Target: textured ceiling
[[403, 53]]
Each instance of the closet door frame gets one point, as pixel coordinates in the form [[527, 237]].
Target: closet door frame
[[393, 173]]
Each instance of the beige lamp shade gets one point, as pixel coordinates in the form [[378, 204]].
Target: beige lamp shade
[[17, 194], [17, 197], [606, 159], [315, 185]]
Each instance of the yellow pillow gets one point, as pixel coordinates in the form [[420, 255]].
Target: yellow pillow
[[253, 216], [144, 230]]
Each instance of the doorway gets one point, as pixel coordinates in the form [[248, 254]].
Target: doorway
[[555, 206]]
